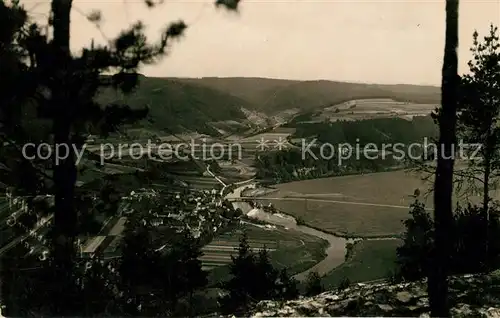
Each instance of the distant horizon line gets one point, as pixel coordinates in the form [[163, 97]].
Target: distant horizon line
[[292, 80]]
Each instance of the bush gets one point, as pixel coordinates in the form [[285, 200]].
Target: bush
[[469, 238], [300, 221], [414, 254], [253, 279], [349, 250], [238, 212], [313, 284], [395, 277], [344, 283], [466, 235]]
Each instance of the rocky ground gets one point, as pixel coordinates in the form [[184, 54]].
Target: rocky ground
[[470, 296]]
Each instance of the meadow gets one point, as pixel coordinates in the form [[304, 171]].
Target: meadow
[[358, 205], [271, 135], [267, 138], [369, 205], [370, 108], [200, 182], [287, 248], [370, 260]]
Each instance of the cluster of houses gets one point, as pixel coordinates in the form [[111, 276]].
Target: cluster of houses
[[201, 212]]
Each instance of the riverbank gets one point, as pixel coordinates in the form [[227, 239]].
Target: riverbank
[[335, 252], [337, 242]]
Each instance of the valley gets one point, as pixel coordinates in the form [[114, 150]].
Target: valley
[[227, 157], [231, 158]]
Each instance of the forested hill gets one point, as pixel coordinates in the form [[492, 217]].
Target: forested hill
[[274, 95], [180, 104], [176, 106], [377, 131]]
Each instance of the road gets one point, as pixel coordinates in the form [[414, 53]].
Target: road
[[235, 196], [329, 201], [215, 177]]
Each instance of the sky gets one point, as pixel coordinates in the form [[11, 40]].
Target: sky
[[370, 41]]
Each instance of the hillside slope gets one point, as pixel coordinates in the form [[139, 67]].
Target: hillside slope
[[176, 106]]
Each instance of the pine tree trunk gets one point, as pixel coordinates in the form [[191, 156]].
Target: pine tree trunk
[[190, 305], [443, 186], [64, 230], [485, 213]]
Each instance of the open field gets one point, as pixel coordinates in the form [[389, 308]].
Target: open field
[[392, 187], [357, 205], [371, 108], [370, 260], [264, 141], [269, 136], [200, 183], [288, 248], [253, 142], [235, 169], [346, 219]]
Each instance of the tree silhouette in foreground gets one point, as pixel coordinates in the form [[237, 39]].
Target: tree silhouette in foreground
[[241, 284], [253, 278], [443, 185], [414, 255], [478, 123], [287, 286], [61, 91], [465, 235]]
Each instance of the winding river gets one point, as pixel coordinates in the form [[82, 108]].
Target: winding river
[[335, 253]]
